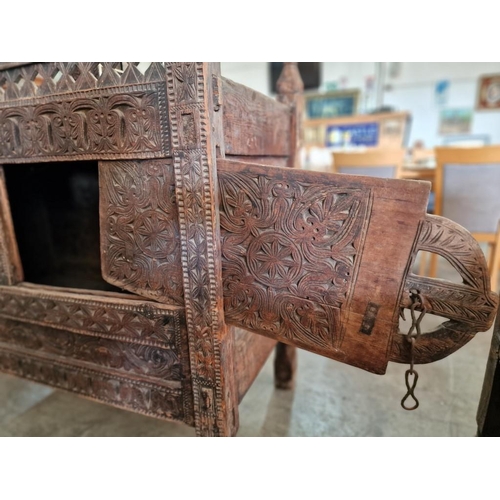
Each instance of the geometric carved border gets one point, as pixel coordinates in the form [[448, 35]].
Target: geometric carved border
[[141, 322], [138, 396], [194, 128], [141, 361], [35, 81]]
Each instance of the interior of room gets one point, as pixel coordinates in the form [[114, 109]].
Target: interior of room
[[437, 123]]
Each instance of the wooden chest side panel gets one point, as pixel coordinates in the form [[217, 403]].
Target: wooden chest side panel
[[254, 124], [251, 351]]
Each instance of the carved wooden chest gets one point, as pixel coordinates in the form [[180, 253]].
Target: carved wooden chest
[[153, 249]]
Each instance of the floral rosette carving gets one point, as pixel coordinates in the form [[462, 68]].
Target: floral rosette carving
[[289, 254]]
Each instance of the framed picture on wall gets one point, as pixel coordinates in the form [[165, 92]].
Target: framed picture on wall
[[331, 104], [453, 121], [488, 93]]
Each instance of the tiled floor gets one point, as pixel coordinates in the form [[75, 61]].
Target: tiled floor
[[330, 399]]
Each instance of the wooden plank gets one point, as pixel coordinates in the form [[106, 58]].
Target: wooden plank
[[254, 124], [458, 155], [96, 383], [250, 353]]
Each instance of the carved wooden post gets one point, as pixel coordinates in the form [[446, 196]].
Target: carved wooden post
[[196, 124], [290, 91], [488, 413]]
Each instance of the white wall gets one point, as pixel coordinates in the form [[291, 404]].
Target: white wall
[[252, 74], [414, 90], [411, 89]]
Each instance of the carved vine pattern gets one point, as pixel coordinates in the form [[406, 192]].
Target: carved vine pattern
[[140, 229], [289, 255], [87, 125]]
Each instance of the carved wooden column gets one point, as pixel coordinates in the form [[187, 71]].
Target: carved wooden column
[[290, 91], [196, 128]]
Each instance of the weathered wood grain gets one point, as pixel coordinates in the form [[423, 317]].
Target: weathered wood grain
[[254, 124]]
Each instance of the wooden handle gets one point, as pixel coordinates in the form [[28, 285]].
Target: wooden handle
[[470, 306]]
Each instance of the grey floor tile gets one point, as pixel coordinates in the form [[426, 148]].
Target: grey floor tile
[[17, 396]]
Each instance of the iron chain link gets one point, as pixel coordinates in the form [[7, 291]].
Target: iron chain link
[[411, 375]]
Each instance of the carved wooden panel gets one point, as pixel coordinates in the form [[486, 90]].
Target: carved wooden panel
[[57, 111], [129, 320], [140, 236], [106, 342], [128, 123], [137, 359], [142, 397], [36, 80], [291, 250]]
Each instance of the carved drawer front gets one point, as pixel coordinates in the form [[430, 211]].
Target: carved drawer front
[[119, 349]]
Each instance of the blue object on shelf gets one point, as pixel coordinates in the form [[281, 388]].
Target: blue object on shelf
[[358, 134]]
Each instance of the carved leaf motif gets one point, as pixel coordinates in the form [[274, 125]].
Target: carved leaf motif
[[185, 75]]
